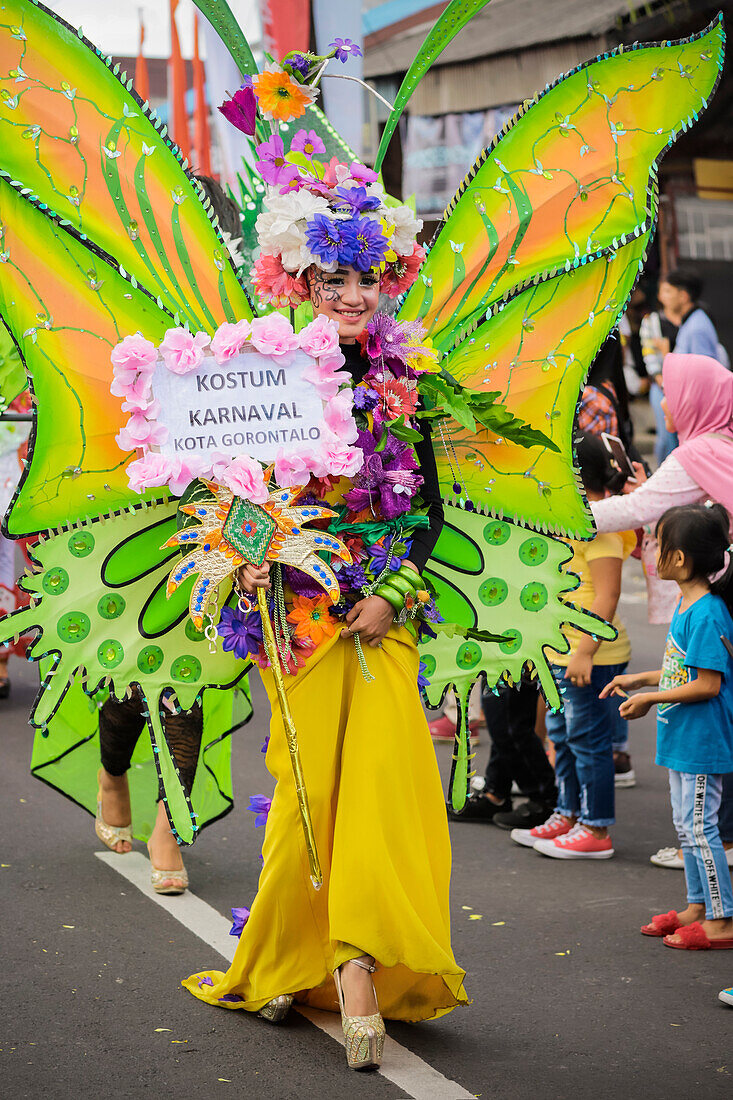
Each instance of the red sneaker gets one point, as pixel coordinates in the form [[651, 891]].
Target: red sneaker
[[556, 825], [579, 843], [442, 729]]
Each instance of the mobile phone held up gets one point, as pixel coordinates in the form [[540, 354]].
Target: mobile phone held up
[[619, 455]]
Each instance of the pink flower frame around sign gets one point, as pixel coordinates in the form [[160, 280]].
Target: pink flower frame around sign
[[134, 360]]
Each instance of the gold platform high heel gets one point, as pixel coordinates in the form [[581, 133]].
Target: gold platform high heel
[[364, 1035], [110, 835], [277, 1009]]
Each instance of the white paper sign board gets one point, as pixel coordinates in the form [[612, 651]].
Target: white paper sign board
[[252, 404]]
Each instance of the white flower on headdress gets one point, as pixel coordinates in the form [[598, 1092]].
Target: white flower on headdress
[[282, 224], [407, 227]]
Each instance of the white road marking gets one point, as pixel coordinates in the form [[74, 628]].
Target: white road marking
[[401, 1066]]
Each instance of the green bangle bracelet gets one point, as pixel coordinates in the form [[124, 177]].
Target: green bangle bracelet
[[391, 595], [401, 584], [413, 579]]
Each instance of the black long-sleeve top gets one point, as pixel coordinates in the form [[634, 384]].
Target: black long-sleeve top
[[423, 538]]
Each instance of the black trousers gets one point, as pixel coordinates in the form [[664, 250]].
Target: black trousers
[[121, 723], [516, 750]]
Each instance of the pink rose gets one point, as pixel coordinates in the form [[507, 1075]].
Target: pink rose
[[273, 335], [182, 471], [340, 460], [326, 376], [228, 340], [183, 351], [131, 355], [138, 391], [152, 469], [245, 478], [320, 337], [141, 432], [291, 468], [339, 418], [313, 460]]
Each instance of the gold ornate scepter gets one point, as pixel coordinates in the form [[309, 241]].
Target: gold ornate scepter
[[232, 532]]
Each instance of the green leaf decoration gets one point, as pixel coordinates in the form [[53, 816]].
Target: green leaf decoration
[[444, 30], [222, 19]]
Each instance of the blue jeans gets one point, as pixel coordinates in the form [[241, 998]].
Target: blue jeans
[[666, 441], [583, 734], [695, 805]]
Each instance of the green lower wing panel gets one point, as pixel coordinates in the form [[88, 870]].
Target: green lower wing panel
[[494, 576], [93, 631]]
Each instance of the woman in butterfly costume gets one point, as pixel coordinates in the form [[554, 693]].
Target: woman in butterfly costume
[[103, 234]]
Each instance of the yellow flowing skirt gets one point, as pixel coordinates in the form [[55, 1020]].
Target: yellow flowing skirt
[[380, 825]]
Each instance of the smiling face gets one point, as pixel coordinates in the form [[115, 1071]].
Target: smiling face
[[349, 297]]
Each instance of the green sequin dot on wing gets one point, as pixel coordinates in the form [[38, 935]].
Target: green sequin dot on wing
[[110, 653], [111, 605], [186, 669], [468, 656], [429, 663], [497, 533], [55, 581], [81, 543], [73, 627], [512, 643], [533, 551], [533, 596], [192, 633], [150, 659], [493, 591]]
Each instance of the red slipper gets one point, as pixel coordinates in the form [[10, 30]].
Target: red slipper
[[662, 925], [694, 938]]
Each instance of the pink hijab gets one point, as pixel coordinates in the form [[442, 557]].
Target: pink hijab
[[699, 393]]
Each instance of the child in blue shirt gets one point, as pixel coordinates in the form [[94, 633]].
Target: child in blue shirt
[[694, 717]]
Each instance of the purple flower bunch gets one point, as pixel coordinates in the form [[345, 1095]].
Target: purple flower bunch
[[356, 241], [241, 634], [388, 478]]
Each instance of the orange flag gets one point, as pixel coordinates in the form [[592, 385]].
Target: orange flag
[[142, 84], [177, 116], [201, 137]]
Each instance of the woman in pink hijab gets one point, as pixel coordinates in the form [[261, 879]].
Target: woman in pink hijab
[[698, 405]]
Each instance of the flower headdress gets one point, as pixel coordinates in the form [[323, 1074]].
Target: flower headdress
[[315, 213]]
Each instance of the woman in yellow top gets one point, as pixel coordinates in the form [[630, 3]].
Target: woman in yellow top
[[585, 731], [370, 771]]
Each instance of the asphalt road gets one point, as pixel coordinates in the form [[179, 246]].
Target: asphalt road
[[569, 1001]]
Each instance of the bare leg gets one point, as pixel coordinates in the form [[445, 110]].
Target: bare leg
[[116, 804], [163, 849]]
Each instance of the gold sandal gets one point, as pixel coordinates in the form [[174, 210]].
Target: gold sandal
[[277, 1009], [159, 878], [110, 834], [364, 1035]]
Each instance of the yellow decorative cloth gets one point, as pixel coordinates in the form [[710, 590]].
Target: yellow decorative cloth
[[380, 826]]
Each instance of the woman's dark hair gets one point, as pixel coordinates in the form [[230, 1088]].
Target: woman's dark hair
[[225, 208], [595, 465], [702, 533]]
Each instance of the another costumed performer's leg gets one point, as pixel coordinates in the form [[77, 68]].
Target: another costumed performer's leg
[[380, 825], [120, 724]]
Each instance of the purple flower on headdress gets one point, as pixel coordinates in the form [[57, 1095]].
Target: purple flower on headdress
[[260, 806], [242, 634], [241, 109], [365, 398], [387, 478], [345, 49], [272, 165], [331, 240], [298, 63], [357, 198], [308, 143], [369, 245], [239, 919], [422, 682]]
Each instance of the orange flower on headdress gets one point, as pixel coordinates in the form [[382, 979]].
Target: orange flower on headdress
[[280, 97], [311, 618]]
